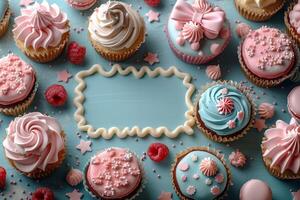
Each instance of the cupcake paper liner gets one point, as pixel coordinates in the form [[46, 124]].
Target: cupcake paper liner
[[290, 29], [196, 60], [275, 170], [180, 155], [230, 138], [5, 22], [119, 55], [44, 55], [38, 173], [22, 106], [138, 191], [267, 83], [259, 14]]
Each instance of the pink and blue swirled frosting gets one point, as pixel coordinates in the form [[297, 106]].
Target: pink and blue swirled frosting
[[42, 26], [33, 141], [237, 106]]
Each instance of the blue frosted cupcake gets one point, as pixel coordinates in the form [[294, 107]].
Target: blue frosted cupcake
[[197, 31], [4, 16], [200, 173], [224, 111]]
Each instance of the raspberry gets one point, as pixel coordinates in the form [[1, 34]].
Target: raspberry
[[56, 95], [152, 3], [76, 53], [2, 178], [158, 152], [43, 193]]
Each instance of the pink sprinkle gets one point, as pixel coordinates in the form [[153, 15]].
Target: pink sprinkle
[[231, 124], [183, 166], [240, 115], [184, 178]]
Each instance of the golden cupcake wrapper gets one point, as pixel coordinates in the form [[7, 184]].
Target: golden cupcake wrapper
[[290, 29], [181, 154], [262, 15], [22, 106], [139, 190], [44, 55], [38, 173], [275, 170], [267, 83], [230, 138], [122, 54], [5, 22]]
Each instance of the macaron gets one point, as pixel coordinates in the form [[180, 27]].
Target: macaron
[[255, 189]]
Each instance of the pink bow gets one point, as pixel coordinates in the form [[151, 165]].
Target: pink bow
[[209, 18]]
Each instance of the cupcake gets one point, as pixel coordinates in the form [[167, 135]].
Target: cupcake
[[197, 31], [34, 144], [18, 85], [4, 17], [81, 4], [224, 111], [116, 30], [292, 21], [293, 103], [258, 10], [200, 173], [42, 32], [280, 150], [114, 173], [268, 57], [255, 189]]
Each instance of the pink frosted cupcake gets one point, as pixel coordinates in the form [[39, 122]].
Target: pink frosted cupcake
[[81, 4], [280, 150], [292, 20], [197, 31], [268, 56], [42, 32], [114, 173], [18, 85], [34, 144]]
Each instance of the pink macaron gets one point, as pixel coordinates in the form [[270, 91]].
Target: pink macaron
[[81, 4], [293, 103], [255, 189]]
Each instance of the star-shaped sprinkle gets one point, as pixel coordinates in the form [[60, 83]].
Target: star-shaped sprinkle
[[64, 76], [75, 195], [84, 146], [165, 196], [151, 58], [296, 195], [25, 3], [152, 16], [260, 124]]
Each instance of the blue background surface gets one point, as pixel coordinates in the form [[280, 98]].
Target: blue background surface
[[126, 101]]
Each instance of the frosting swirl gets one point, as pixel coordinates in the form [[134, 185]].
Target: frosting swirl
[[115, 25], [42, 26], [224, 123], [33, 141], [294, 17], [282, 146]]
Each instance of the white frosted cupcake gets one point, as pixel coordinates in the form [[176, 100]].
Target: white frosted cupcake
[[116, 30]]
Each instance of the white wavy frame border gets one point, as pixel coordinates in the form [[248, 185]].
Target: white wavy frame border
[[79, 98]]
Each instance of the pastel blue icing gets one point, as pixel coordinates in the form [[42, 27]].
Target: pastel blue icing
[[217, 122], [203, 191], [186, 48], [3, 8]]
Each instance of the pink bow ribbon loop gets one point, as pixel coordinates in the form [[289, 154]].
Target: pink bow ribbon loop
[[210, 19]]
